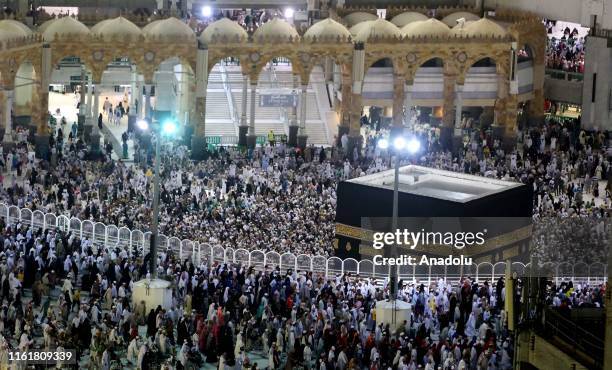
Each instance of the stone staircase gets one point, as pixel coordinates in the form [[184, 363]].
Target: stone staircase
[[218, 116]]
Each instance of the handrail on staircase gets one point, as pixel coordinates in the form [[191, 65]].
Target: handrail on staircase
[[230, 97]]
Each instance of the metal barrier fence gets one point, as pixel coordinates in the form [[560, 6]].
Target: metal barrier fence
[[136, 240]]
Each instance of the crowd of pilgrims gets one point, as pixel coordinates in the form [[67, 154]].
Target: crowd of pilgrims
[[567, 52], [60, 290], [279, 198], [67, 293]]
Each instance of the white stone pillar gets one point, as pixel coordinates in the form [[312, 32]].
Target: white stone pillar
[[88, 104], [302, 137], [408, 103], [303, 107], [96, 105], [337, 76], [94, 137], [82, 109], [245, 88], [329, 69], [201, 82], [148, 110], [358, 67], [132, 112], [141, 99], [253, 102], [458, 106], [134, 92], [8, 124]]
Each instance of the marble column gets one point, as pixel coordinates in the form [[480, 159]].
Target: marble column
[[354, 133], [408, 105], [8, 124], [89, 121], [198, 140], [499, 110], [293, 123], [457, 143], [148, 113], [41, 139], [510, 123], [88, 103], [243, 128], [329, 69], [345, 109], [252, 137], [94, 139], [398, 105], [141, 101], [35, 113], [448, 120], [132, 114], [82, 110], [302, 137]]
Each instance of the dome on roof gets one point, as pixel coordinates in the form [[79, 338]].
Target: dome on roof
[[460, 29], [171, 28], [7, 35], [451, 19], [358, 27], [224, 27], [378, 28], [16, 29], [46, 24], [99, 25], [148, 26], [65, 26], [117, 27], [429, 28], [358, 17], [276, 28], [327, 28], [405, 18], [485, 28], [19, 25]]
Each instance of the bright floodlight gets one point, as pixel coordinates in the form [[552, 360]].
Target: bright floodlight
[[169, 127], [289, 13], [207, 11], [399, 143], [414, 145], [142, 124], [383, 143]]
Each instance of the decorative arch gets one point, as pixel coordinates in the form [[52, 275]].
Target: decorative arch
[[26, 90], [372, 58], [257, 68], [217, 58], [342, 60], [501, 68], [419, 61]]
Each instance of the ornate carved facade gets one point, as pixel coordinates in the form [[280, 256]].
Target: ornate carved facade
[[407, 48]]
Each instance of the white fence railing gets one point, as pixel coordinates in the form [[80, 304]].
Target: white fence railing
[[136, 240]]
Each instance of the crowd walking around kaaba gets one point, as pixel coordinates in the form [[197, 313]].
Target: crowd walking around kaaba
[[62, 290]]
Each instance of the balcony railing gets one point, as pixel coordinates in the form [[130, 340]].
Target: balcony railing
[[564, 75]]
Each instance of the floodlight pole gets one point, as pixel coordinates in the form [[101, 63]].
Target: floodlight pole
[[154, 226]]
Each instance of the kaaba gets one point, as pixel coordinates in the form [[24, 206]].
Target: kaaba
[[432, 200]]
